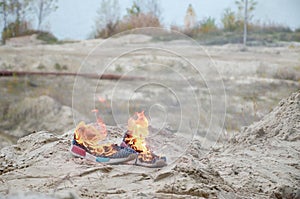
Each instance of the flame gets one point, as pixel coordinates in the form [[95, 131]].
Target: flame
[[104, 103], [138, 127], [91, 135], [101, 99], [95, 111], [136, 136]]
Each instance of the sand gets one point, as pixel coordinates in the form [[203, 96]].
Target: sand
[[262, 161]]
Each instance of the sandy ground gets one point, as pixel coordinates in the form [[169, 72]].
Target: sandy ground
[[205, 95], [260, 162]]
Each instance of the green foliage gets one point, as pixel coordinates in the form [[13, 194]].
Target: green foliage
[[140, 14], [241, 8], [15, 85], [41, 67], [119, 69], [14, 13], [7, 67], [146, 7], [229, 20], [57, 66], [107, 19], [138, 21], [143, 13], [269, 28], [47, 37], [134, 9], [208, 25], [16, 29]]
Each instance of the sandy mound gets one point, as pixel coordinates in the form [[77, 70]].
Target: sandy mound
[[133, 39], [261, 162], [41, 162], [23, 41], [282, 123], [35, 114]]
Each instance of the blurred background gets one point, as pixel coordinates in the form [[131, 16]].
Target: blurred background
[[76, 20], [253, 49]]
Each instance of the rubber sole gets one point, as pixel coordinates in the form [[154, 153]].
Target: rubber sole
[[81, 153], [158, 163]]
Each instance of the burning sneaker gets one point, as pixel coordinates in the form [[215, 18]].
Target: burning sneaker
[[134, 139], [145, 157], [87, 144]]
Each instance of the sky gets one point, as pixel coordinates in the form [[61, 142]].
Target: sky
[[75, 19]]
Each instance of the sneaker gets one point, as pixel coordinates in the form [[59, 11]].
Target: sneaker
[[155, 162], [90, 142], [118, 155], [146, 159]]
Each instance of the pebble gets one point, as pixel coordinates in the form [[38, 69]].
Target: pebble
[[183, 187]]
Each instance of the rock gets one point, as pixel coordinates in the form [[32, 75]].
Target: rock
[[163, 175], [285, 192], [260, 132]]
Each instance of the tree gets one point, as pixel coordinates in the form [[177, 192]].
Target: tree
[[229, 20], [241, 5], [13, 14], [42, 9], [4, 12], [142, 13], [146, 7], [108, 17], [135, 9], [150, 7], [246, 7], [17, 8], [208, 25], [245, 23]]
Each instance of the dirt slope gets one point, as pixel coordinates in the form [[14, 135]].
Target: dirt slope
[[262, 161]]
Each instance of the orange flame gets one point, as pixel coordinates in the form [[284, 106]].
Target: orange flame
[[101, 99], [95, 111], [91, 135], [138, 127], [136, 135]]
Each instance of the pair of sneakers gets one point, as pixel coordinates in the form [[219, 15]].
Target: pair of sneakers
[[118, 154]]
